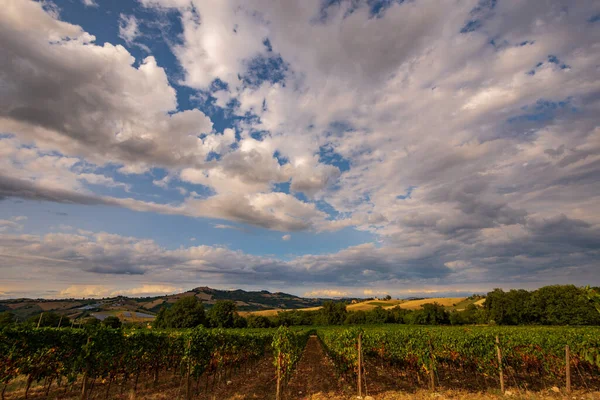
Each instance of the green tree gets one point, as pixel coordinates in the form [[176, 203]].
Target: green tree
[[239, 321], [377, 316], [562, 305], [187, 312], [471, 315], [399, 315], [430, 314], [593, 296], [222, 314], [333, 313], [112, 322], [356, 317]]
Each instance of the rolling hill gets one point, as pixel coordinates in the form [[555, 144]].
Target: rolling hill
[[248, 302], [74, 308]]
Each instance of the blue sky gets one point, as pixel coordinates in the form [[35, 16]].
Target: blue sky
[[323, 148]]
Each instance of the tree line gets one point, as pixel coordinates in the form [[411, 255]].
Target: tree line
[[549, 305]]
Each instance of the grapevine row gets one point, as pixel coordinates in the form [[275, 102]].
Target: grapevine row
[[64, 355], [532, 352]]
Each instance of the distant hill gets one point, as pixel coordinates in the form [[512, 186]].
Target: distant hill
[[245, 301], [248, 302], [75, 308]]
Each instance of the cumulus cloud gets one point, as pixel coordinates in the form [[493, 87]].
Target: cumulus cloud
[[286, 237], [528, 258], [57, 100], [464, 137]]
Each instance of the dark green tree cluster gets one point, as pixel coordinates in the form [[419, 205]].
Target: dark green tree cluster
[[549, 305], [188, 312], [336, 314]]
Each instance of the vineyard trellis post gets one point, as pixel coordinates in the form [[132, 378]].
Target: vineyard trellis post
[[501, 373], [188, 382], [431, 367], [84, 386], [278, 394], [40, 320], [360, 364], [568, 367]]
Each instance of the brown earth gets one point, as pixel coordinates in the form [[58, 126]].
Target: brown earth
[[314, 374]]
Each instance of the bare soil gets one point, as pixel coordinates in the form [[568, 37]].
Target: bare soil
[[314, 374]]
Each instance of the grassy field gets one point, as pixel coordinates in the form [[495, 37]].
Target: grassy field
[[451, 303]]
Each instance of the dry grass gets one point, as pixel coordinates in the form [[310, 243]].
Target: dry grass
[[371, 304], [479, 302], [273, 312], [154, 303], [444, 301]]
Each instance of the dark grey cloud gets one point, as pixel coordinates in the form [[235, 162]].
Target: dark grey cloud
[[24, 189]]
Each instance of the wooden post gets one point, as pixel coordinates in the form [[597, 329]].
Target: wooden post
[[84, 387], [360, 364], [568, 365], [60, 321], [432, 377], [431, 368], [278, 395], [500, 364], [188, 383], [40, 320]]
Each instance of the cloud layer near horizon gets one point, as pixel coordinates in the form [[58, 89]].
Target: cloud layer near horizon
[[464, 136]]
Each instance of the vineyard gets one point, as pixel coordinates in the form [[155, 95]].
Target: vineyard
[[108, 363], [51, 355], [473, 357]]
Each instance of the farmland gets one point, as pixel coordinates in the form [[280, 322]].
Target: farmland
[[450, 303], [198, 363]]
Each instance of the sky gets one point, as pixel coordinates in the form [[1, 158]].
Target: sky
[[316, 147]]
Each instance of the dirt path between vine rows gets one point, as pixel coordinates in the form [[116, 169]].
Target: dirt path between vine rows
[[314, 374]]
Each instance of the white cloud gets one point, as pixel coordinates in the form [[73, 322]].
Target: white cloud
[[371, 292], [128, 28], [326, 293], [286, 237], [84, 291], [149, 290], [89, 3]]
